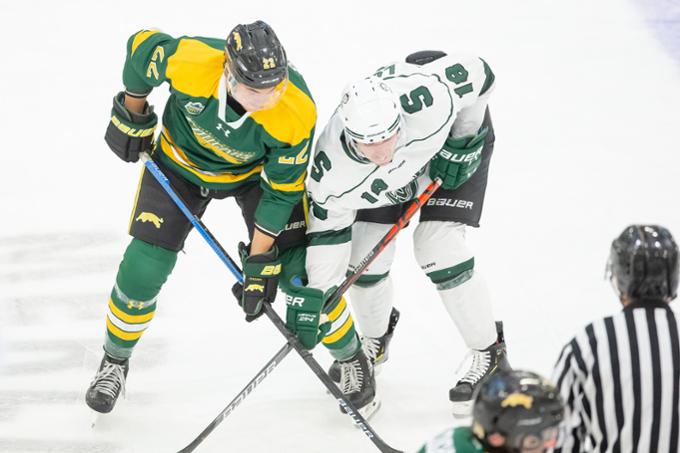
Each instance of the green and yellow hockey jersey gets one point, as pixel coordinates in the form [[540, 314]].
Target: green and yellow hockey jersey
[[205, 140]]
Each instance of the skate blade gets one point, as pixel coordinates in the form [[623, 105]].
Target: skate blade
[[94, 418], [462, 409]]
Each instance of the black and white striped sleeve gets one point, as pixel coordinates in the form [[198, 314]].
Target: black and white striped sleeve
[[567, 377]]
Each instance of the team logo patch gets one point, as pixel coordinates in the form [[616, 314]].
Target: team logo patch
[[268, 63], [135, 304], [254, 287], [194, 108], [518, 399], [150, 217], [404, 194], [237, 38]]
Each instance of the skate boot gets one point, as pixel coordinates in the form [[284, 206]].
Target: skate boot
[[107, 384], [357, 383], [484, 364], [376, 349]]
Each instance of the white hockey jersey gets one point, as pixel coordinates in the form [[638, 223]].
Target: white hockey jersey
[[446, 96]]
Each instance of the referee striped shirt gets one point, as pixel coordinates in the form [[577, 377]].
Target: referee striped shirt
[[620, 380]]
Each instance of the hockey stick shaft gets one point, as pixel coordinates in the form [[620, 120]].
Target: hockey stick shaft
[[411, 210], [272, 315], [157, 173], [264, 372]]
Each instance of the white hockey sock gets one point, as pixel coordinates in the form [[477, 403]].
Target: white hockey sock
[[372, 307], [469, 306]]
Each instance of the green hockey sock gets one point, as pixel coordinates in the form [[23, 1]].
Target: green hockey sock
[[132, 304]]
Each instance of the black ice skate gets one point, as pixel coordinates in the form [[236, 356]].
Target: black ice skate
[[107, 384], [484, 364], [357, 383], [376, 349]]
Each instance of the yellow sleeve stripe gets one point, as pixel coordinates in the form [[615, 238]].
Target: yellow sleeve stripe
[[140, 38], [123, 335], [195, 68], [292, 119], [335, 314], [340, 332], [130, 319], [296, 186]]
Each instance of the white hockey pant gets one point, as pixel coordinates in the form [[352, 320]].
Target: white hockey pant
[[441, 251]]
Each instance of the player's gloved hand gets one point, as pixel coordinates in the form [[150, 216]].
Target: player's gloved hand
[[303, 313], [458, 159], [128, 133], [260, 279]]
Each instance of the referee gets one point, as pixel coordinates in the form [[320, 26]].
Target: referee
[[620, 376]]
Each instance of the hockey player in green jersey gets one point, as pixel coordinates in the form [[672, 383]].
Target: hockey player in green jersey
[[514, 412], [238, 123]]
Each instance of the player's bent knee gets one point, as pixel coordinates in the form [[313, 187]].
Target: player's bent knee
[[442, 253], [144, 270], [364, 237]]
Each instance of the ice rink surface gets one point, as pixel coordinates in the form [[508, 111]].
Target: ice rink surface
[[586, 112]]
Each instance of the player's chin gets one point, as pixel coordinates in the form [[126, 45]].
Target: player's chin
[[382, 162]]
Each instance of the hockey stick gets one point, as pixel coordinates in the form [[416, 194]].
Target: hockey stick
[[292, 340], [264, 372], [380, 246]]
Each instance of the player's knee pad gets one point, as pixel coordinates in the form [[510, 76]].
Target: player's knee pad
[[365, 235], [144, 270], [372, 306], [442, 253]]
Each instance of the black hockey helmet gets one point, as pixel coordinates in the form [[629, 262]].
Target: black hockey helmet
[[643, 263], [255, 57], [515, 410]]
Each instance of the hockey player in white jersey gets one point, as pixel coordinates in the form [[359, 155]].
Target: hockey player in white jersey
[[392, 134]]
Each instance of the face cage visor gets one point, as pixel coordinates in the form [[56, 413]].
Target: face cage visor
[[254, 99]]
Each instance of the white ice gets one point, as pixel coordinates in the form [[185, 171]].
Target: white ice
[[585, 109]]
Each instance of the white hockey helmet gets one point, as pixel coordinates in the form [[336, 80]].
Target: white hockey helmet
[[370, 110]]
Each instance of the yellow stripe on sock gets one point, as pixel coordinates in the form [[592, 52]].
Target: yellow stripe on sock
[[340, 332], [130, 319], [127, 336], [337, 311]]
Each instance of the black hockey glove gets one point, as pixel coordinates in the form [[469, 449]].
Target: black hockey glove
[[260, 280], [130, 133]]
